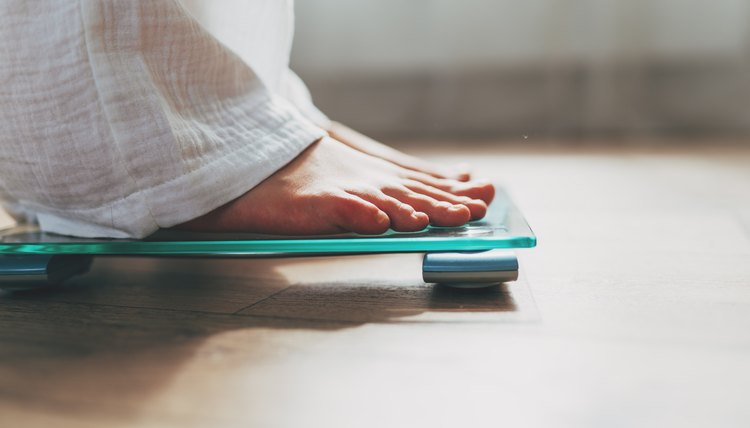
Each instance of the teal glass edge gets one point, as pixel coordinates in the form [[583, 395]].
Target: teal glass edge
[[504, 227], [351, 245]]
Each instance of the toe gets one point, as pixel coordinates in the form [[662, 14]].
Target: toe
[[462, 172], [351, 213], [403, 217], [480, 189], [477, 207], [459, 173], [440, 213]]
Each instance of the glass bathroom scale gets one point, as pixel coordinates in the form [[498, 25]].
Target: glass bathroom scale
[[24, 248]]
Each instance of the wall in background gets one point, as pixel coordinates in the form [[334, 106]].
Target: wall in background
[[540, 67]]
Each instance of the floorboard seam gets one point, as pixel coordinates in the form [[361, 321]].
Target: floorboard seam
[[110, 305], [223, 314], [237, 312]]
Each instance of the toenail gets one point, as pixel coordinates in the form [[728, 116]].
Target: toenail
[[445, 204], [457, 208]]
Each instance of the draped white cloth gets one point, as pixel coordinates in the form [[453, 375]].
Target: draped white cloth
[[121, 117]]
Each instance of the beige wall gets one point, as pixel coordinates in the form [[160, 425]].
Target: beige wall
[[549, 66], [392, 35]]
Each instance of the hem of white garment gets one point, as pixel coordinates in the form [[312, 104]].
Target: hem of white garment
[[193, 194]]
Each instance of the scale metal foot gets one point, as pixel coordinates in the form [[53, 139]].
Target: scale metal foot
[[31, 271], [470, 269]]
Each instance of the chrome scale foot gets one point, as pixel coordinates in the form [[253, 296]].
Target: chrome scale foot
[[28, 272], [470, 269]]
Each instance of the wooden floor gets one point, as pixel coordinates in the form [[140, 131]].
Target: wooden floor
[[633, 311]]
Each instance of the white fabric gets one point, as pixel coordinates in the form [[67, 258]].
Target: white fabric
[[260, 32], [121, 117]]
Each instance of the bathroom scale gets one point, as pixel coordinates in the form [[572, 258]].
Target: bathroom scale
[[474, 255]]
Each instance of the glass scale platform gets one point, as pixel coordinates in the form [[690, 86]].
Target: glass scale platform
[[476, 254]]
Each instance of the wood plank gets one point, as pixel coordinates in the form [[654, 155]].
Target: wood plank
[[191, 284], [352, 289], [103, 363], [633, 311]]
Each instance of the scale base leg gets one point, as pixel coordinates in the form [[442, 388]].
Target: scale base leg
[[31, 271], [475, 269]]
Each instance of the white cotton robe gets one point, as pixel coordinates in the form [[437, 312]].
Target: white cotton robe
[[119, 117]]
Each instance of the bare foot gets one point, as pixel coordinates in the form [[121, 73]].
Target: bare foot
[[367, 145], [333, 188]]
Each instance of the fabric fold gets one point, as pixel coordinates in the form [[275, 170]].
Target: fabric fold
[[125, 117]]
